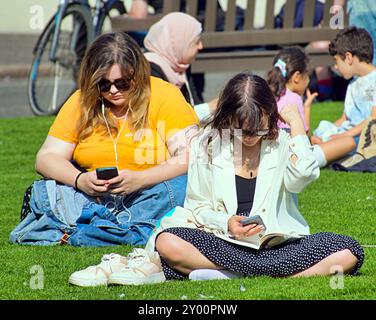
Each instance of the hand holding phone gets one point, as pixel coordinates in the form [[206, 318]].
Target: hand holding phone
[[107, 173], [252, 220]]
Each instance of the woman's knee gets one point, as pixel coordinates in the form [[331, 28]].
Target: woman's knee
[[169, 246], [346, 260], [343, 261]]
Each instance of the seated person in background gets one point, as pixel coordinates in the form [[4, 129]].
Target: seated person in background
[[120, 117], [172, 44], [139, 9], [352, 50], [288, 81], [299, 14]]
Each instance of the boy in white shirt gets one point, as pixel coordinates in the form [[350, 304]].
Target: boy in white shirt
[[353, 52]]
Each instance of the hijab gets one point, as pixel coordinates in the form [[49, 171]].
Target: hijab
[[167, 42]]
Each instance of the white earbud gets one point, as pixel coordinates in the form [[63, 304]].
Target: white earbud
[[102, 107]]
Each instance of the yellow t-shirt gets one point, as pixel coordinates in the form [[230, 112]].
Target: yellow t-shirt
[[168, 113]]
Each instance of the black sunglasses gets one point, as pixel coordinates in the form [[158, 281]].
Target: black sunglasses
[[121, 84], [259, 133]]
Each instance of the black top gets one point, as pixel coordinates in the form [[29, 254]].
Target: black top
[[156, 71], [245, 190]]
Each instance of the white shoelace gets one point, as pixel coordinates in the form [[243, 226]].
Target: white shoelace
[[108, 257], [137, 257], [106, 263]]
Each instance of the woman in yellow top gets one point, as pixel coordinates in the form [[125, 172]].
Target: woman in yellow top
[[121, 117]]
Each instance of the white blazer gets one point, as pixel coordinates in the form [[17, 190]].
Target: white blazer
[[211, 197]]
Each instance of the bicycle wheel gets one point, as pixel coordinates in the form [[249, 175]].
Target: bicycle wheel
[[111, 10], [52, 82]]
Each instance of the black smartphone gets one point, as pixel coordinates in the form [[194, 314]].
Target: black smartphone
[[252, 220], [107, 173]]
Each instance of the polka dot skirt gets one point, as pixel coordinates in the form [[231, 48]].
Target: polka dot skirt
[[25, 210], [280, 261]]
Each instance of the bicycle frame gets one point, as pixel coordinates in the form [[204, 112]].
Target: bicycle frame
[[62, 7], [99, 9], [60, 49]]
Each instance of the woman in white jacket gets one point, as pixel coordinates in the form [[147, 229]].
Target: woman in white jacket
[[256, 170]]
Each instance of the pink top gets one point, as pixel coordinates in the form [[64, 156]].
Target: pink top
[[291, 98]]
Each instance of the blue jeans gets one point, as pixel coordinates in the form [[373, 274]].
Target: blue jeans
[[58, 209]]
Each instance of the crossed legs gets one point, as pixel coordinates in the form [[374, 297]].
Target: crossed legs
[[181, 255], [184, 257]]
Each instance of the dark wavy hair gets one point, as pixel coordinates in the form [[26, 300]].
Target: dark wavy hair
[[355, 40], [296, 60], [243, 104]]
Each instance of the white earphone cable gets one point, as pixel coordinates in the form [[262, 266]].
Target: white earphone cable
[[118, 136]]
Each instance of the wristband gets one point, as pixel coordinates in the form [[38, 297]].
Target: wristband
[[75, 182]]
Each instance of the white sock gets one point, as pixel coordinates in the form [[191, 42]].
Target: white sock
[[319, 155], [211, 274]]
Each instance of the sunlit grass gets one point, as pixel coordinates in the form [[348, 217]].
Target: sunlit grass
[[338, 202]]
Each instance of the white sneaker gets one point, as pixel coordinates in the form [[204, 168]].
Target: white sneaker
[[98, 275], [212, 274], [142, 268]]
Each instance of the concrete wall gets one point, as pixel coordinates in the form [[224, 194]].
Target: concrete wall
[[30, 16], [26, 16]]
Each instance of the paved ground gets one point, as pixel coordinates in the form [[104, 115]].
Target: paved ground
[[13, 98], [15, 61]]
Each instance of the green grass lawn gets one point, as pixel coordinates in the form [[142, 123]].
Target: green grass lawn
[[338, 202]]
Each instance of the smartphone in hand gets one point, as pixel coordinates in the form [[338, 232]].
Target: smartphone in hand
[[107, 173], [252, 220]]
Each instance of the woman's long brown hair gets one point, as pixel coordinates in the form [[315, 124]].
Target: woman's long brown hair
[[106, 51]]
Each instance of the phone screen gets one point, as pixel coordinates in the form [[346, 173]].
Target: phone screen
[[252, 220], [107, 173]]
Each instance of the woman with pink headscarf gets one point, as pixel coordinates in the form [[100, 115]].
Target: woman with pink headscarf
[[172, 44]]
